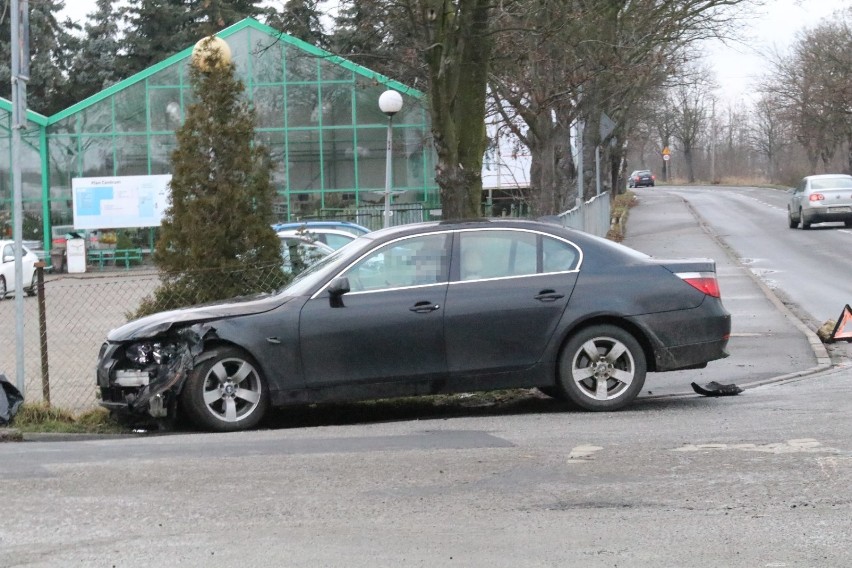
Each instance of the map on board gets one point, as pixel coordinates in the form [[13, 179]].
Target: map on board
[[119, 202]]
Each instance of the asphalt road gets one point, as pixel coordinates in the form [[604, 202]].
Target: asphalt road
[[756, 480], [812, 268]]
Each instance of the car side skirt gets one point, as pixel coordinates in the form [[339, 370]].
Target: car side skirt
[[536, 375]]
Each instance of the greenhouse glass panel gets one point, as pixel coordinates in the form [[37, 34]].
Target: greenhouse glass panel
[[303, 151], [97, 118], [267, 60], [162, 147], [170, 76], [164, 106], [97, 158], [6, 170], [339, 157], [337, 100], [372, 144], [130, 111], [30, 171], [280, 208], [269, 104], [330, 71], [240, 47], [5, 122], [300, 65], [367, 105], [63, 158], [275, 144], [65, 126], [131, 155], [302, 108], [305, 205]]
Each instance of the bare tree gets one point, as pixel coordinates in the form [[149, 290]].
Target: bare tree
[[692, 100], [769, 132]]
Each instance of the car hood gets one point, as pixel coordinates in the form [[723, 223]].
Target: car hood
[[162, 322]]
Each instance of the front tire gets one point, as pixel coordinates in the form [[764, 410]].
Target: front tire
[[602, 368], [225, 393]]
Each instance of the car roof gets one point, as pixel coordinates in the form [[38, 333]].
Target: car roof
[[828, 176], [343, 225], [481, 223], [302, 230], [301, 239]]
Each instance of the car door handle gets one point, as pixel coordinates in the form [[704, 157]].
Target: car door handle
[[424, 307], [548, 296]]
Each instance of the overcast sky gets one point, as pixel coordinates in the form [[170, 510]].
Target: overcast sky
[[736, 66]]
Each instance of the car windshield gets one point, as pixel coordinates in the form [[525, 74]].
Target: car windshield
[[307, 279]]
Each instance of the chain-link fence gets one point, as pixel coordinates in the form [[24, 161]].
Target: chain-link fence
[[65, 325]]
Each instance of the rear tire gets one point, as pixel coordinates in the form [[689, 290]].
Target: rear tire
[[225, 393], [805, 223], [602, 368], [3, 289], [792, 223], [847, 223]]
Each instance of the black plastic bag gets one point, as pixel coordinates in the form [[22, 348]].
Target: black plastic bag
[[10, 400]]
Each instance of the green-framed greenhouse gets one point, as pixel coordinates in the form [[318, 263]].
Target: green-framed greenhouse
[[317, 114]]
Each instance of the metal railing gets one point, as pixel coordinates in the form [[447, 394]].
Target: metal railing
[[593, 216]]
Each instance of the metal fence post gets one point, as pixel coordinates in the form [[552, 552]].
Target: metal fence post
[[42, 328]]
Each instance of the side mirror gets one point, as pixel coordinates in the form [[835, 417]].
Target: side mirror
[[336, 289]]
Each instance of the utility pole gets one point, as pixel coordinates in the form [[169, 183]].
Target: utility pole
[[20, 76], [713, 143]]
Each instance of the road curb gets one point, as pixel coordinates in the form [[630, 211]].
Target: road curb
[[10, 435]]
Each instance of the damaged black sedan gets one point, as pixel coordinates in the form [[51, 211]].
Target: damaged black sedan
[[427, 309]]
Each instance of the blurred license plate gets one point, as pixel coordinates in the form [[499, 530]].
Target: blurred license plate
[[841, 209]]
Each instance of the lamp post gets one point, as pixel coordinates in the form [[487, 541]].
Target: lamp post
[[390, 103]]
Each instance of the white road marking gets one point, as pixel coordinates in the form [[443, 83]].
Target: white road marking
[[800, 445], [582, 453]]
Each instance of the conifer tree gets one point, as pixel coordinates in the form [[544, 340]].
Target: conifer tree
[[216, 240], [94, 66], [51, 46]]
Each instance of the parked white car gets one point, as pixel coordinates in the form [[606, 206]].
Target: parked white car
[[7, 269]]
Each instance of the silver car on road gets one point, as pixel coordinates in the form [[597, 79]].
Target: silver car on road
[[819, 199]]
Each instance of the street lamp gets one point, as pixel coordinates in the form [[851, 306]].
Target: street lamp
[[390, 103]]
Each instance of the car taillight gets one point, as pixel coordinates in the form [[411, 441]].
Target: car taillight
[[653, 177], [816, 197], [636, 178], [704, 281]]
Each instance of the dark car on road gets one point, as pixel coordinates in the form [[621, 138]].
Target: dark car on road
[[641, 178], [819, 199], [439, 307]]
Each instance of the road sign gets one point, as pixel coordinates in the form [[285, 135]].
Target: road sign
[[666, 157], [843, 329], [666, 151], [607, 125]]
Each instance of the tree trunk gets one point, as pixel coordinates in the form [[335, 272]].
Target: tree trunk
[[552, 172], [458, 71], [690, 167]]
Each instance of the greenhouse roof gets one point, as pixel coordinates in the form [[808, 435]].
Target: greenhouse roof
[[230, 30], [32, 116]]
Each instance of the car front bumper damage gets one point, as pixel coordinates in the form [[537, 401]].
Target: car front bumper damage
[[145, 376]]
